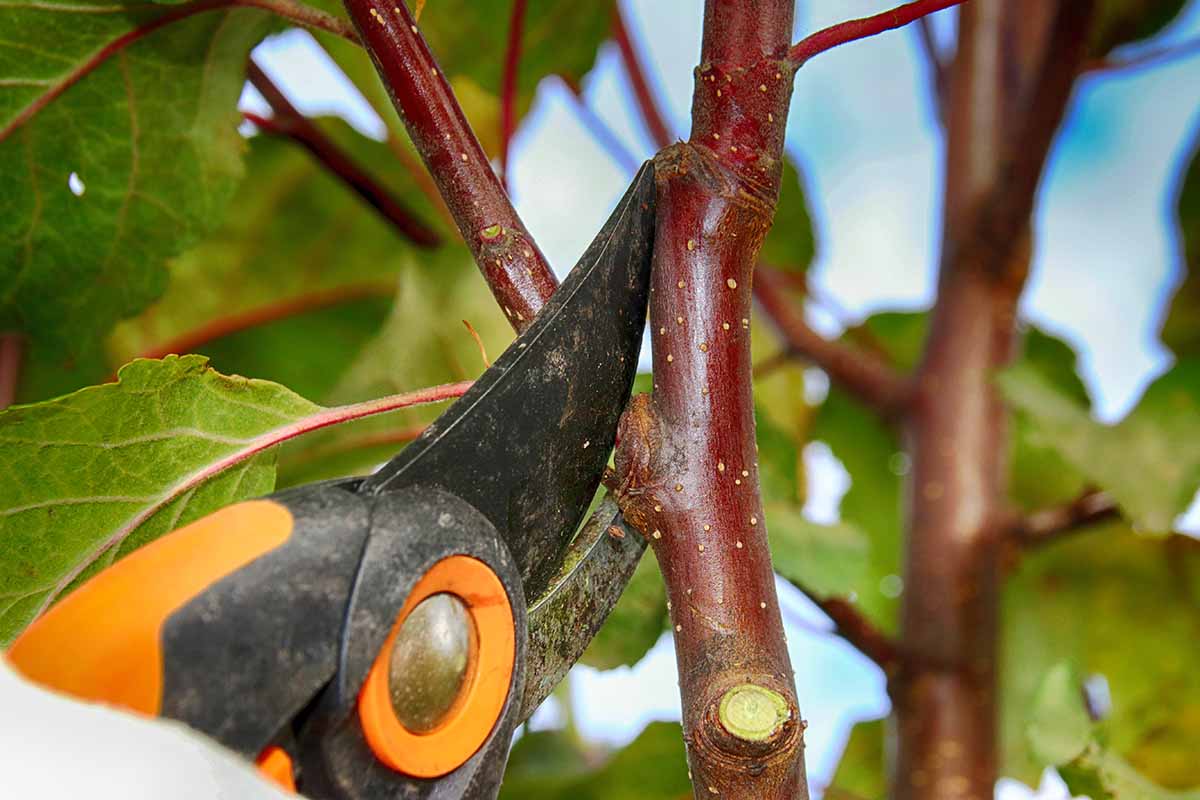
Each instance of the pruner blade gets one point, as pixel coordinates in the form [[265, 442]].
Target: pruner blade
[[528, 443]]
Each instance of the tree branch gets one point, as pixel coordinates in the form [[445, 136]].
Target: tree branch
[[660, 133], [12, 353], [1050, 524], [687, 461], [855, 29], [193, 340], [937, 67], [945, 696], [860, 372], [508, 85], [514, 268], [852, 625], [1003, 217], [604, 135], [291, 123], [289, 9]]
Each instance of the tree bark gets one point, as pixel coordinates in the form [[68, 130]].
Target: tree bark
[[1009, 86], [687, 459]]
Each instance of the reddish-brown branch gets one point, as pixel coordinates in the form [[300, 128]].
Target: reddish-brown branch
[[937, 67], [515, 270], [660, 133], [1050, 524], [508, 85], [195, 339], [1008, 94], [855, 29], [12, 353], [853, 626], [288, 121], [687, 460], [296, 12], [604, 135], [1004, 215], [860, 372]]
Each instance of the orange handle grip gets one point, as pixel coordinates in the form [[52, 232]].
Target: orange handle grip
[[103, 641]]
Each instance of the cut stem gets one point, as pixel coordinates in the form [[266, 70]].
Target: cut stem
[[855, 29], [687, 458]]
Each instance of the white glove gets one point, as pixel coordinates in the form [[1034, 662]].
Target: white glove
[[55, 748]]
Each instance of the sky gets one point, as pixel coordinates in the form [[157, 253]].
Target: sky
[[862, 130]]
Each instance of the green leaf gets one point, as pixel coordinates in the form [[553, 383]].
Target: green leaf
[[97, 473], [635, 624], [898, 335], [1059, 727], [870, 453], [862, 771], [1181, 328], [422, 343], [307, 351], [652, 767], [780, 457], [151, 135], [1112, 604], [1039, 476], [791, 242], [296, 246], [559, 37], [1144, 461], [1064, 736], [1119, 22], [827, 560], [545, 757], [469, 39]]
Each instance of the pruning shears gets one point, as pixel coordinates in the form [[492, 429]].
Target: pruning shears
[[383, 637]]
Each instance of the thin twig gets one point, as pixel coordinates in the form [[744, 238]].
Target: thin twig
[[508, 86], [603, 134], [193, 340], [297, 12], [288, 121], [862, 373], [12, 353], [660, 133], [515, 270], [478, 343], [1151, 58], [855, 29], [853, 626], [1050, 524], [937, 66]]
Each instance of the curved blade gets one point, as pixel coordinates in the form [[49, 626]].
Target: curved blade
[[528, 443], [565, 618]]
